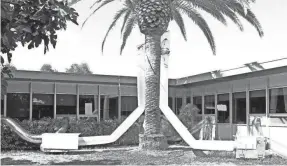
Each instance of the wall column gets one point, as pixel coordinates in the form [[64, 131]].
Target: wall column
[[106, 108], [231, 112], [173, 104], [247, 108], [5, 105], [96, 106], [55, 101], [216, 116], [78, 102], [31, 102], [99, 102], [119, 102]]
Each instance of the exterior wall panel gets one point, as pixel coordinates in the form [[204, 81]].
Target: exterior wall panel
[[197, 91], [63, 88], [258, 83], [223, 87], [85, 89], [171, 91], [278, 80], [43, 87], [109, 90], [128, 90], [18, 87], [240, 85]]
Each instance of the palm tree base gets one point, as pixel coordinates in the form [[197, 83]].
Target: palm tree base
[[152, 142]]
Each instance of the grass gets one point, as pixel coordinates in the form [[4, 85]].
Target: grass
[[130, 156]]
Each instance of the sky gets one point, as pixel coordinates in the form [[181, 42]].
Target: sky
[[194, 56]]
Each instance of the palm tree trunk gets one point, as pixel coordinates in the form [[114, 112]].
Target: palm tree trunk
[[152, 78], [152, 138]]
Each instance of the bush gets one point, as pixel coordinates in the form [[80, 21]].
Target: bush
[[87, 127], [90, 127], [188, 118]]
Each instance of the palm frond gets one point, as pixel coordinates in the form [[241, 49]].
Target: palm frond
[[116, 18], [228, 12], [128, 29], [102, 5], [249, 16], [98, 1], [129, 4], [179, 21], [197, 19], [125, 20], [205, 5]]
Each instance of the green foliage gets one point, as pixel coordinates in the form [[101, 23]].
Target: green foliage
[[216, 8], [48, 68], [82, 68], [6, 71], [32, 22], [87, 127]]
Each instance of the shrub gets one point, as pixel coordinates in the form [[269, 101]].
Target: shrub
[[87, 127], [188, 118]]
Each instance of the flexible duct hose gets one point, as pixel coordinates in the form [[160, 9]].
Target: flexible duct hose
[[25, 135]]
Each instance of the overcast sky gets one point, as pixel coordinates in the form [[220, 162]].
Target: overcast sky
[[234, 48]]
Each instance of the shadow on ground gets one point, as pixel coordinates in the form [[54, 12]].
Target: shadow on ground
[[10, 161], [89, 162]]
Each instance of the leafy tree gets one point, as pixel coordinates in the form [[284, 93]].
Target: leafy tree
[[153, 18], [82, 68], [48, 68], [32, 22]]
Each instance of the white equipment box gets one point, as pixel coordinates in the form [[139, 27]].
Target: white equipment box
[[56, 142]]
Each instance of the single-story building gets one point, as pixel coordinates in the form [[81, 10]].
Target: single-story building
[[233, 97]]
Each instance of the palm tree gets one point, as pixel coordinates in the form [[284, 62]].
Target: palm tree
[[153, 17]]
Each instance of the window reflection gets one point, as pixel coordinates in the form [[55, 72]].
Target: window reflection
[[278, 100], [66, 104], [239, 108], [43, 106], [209, 104], [18, 105], [223, 108], [257, 102]]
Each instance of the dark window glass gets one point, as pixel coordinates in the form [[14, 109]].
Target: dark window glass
[[209, 104], [223, 108], [66, 104], [178, 105], [197, 101], [87, 105], [257, 102], [18, 105], [278, 100], [239, 108], [43, 106], [2, 107], [170, 102], [129, 104], [188, 100]]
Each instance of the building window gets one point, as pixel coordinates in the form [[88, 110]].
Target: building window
[[178, 104], [170, 102], [257, 102], [239, 108], [209, 104], [197, 101], [223, 108], [2, 107], [188, 100], [87, 105], [278, 100], [66, 104], [129, 104], [43, 106], [18, 105]]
